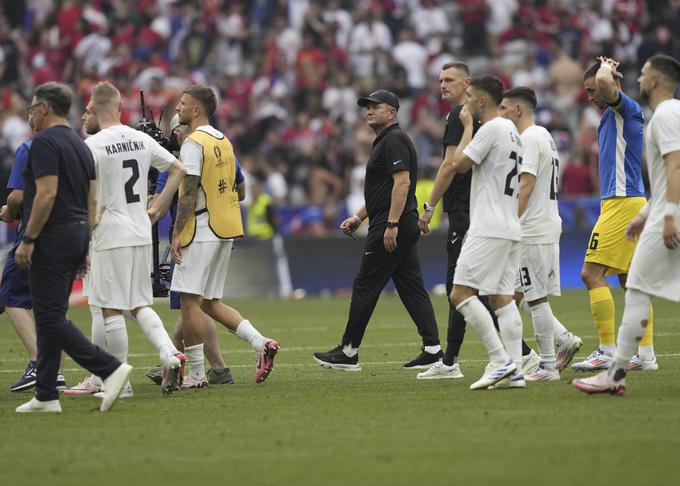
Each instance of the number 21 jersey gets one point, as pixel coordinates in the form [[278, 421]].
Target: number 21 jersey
[[496, 151], [123, 157]]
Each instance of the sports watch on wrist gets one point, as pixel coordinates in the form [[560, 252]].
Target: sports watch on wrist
[[27, 239], [390, 224], [427, 208]]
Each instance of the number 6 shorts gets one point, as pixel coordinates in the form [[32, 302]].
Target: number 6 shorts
[[608, 245], [488, 265]]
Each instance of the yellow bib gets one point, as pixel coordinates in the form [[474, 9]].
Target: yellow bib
[[218, 180]]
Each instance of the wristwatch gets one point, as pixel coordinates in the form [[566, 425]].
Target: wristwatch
[[427, 208], [27, 239], [390, 224]]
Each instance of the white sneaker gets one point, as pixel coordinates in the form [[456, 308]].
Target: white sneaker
[[493, 373], [35, 405], [601, 383], [596, 361], [126, 392], [638, 363], [530, 362], [113, 386], [542, 374], [515, 380], [566, 351], [85, 387], [439, 370]]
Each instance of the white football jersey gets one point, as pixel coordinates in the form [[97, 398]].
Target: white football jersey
[[122, 157], [541, 222], [662, 137], [496, 151]]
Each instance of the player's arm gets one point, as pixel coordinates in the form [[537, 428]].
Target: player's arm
[[443, 180], [527, 182], [671, 235], [162, 201], [45, 194], [606, 80], [401, 180], [185, 209], [351, 224], [11, 210], [461, 162], [241, 191]]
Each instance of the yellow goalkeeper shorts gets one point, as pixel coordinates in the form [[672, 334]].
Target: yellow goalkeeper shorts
[[608, 245]]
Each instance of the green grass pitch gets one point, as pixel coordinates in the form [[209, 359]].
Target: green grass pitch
[[311, 426]]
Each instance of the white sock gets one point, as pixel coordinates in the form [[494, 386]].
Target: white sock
[[560, 333], [116, 337], [510, 325], [98, 330], [349, 351], [152, 326], [246, 331], [631, 332], [478, 317], [194, 356], [432, 349], [543, 319], [646, 352]]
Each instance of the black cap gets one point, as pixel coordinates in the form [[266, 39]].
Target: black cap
[[380, 96]]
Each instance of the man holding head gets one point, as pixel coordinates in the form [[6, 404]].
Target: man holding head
[[539, 267], [390, 251], [489, 259], [655, 268], [59, 207], [208, 219], [121, 257], [619, 140]]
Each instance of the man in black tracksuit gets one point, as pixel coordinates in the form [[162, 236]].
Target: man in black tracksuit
[[455, 195], [390, 252]]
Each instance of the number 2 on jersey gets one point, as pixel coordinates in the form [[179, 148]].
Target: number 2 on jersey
[[509, 191], [130, 195]]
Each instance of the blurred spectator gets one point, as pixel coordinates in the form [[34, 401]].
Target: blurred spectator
[[288, 72], [577, 178]]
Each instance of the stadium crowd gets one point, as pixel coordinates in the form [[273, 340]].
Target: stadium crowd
[[289, 73]]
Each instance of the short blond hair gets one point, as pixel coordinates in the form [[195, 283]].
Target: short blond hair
[[105, 95]]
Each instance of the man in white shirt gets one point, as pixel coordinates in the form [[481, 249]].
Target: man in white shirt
[[490, 255], [121, 242], [539, 268], [208, 219], [655, 268]]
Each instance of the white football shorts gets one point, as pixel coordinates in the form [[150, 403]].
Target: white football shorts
[[488, 265], [655, 270], [539, 271], [120, 278], [204, 269]]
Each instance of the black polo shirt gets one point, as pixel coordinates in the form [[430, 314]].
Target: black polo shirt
[[457, 196], [392, 152], [59, 151]]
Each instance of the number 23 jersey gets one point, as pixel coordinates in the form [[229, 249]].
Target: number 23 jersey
[[496, 151], [123, 157]]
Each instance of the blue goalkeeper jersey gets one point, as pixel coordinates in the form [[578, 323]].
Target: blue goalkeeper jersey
[[620, 140]]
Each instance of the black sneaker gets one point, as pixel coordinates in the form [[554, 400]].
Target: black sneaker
[[424, 360], [27, 380], [220, 376], [155, 374], [338, 360]]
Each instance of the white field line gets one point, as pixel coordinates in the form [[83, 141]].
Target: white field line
[[363, 363]]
